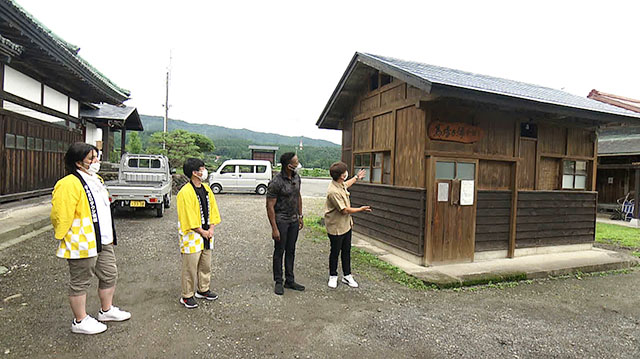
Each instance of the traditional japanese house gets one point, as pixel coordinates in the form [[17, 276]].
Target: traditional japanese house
[[618, 173], [44, 84], [464, 167]]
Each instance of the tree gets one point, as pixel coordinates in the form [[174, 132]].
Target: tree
[[204, 143], [179, 145], [134, 144]]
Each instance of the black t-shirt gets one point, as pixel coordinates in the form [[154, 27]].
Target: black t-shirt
[[287, 193], [203, 195]]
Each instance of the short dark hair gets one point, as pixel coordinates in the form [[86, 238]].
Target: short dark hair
[[190, 165], [76, 153], [286, 158], [337, 169]]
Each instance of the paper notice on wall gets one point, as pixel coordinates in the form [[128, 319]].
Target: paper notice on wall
[[443, 192], [467, 190]]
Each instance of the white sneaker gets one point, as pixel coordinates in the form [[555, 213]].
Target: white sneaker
[[88, 325], [333, 281], [348, 279], [113, 315]]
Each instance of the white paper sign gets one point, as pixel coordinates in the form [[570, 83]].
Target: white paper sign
[[443, 192], [467, 190]]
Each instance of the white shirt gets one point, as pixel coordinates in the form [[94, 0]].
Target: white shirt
[[101, 198]]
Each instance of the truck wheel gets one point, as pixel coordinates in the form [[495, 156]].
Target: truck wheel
[[261, 189], [160, 210], [167, 201], [216, 188]]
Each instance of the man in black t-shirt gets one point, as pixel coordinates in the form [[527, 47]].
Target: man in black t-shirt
[[284, 210]]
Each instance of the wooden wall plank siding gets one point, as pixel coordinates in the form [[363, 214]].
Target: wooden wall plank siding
[[409, 169], [494, 175], [547, 218], [362, 135], [383, 131], [549, 174], [24, 170], [580, 142], [347, 142], [397, 217], [553, 139], [527, 168], [492, 220], [393, 94]]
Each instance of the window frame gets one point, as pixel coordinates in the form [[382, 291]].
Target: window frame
[[574, 173], [369, 168]]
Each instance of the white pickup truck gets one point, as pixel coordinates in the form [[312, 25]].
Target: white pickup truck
[[144, 182]]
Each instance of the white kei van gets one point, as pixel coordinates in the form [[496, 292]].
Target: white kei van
[[241, 176]]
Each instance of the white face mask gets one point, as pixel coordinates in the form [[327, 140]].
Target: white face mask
[[296, 169], [346, 175], [94, 168], [204, 176]]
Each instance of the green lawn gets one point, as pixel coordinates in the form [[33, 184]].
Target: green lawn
[[619, 236]]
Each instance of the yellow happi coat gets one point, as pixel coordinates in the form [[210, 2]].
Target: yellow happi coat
[[189, 217], [71, 220]]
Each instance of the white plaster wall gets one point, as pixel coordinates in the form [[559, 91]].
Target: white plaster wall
[[22, 85], [93, 134], [29, 112], [55, 100], [74, 109]]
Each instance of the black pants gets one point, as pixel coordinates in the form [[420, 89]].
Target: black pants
[[287, 246], [340, 245]]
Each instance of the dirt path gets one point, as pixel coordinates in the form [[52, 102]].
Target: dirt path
[[592, 317]]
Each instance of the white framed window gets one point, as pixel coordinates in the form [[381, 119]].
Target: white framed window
[[574, 174]]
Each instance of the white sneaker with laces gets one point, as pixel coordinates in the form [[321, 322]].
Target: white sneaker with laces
[[333, 281], [113, 315], [88, 325], [348, 279]]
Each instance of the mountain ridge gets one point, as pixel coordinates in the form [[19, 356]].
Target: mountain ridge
[[155, 124]]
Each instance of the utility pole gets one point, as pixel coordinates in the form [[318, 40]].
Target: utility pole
[[166, 104]]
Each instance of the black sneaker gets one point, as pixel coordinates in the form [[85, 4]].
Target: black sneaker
[[279, 290], [189, 302], [208, 295], [294, 286]]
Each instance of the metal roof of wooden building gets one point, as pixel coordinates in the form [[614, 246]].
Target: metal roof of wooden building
[[445, 82]]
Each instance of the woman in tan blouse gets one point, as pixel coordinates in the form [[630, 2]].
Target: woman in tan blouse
[[337, 219]]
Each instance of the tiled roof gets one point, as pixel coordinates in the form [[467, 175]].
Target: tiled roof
[[619, 145], [496, 85]]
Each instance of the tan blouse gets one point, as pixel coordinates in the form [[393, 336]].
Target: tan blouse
[[337, 200]]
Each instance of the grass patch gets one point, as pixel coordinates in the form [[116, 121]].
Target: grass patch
[[619, 236]]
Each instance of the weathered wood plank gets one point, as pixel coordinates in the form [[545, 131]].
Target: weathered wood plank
[[555, 218], [394, 226], [492, 228], [411, 212], [369, 196], [483, 237], [555, 196], [492, 220], [558, 225], [554, 211], [553, 241], [557, 204], [396, 242], [491, 246], [555, 233], [494, 204], [494, 195]]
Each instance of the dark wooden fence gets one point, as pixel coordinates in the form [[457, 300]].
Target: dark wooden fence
[[493, 213], [31, 154], [551, 218], [397, 218]]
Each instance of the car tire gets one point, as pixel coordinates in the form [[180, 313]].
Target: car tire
[[167, 201], [216, 188], [261, 190], [160, 210]]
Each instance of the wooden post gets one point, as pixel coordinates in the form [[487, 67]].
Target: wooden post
[[123, 141], [514, 211], [637, 194]]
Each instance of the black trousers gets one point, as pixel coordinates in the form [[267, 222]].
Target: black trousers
[[287, 246], [340, 245]]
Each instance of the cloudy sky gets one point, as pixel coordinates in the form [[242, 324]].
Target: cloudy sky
[[271, 65]]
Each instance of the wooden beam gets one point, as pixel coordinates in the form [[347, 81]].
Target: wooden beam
[[578, 158], [36, 107], [497, 158], [513, 218], [614, 166], [396, 105]]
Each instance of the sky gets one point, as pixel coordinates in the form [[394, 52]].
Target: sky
[[271, 66]]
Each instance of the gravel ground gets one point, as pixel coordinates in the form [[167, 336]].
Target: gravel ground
[[592, 317]]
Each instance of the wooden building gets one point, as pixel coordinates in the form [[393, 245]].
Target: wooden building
[[465, 167], [44, 85], [266, 153], [618, 156]]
